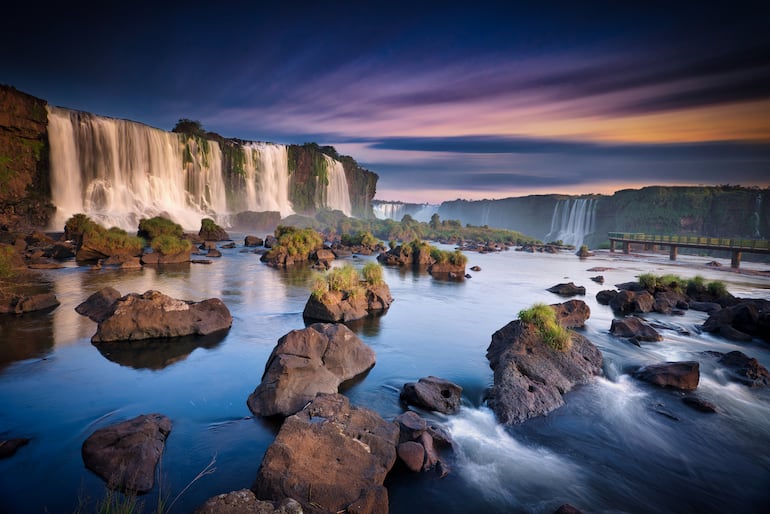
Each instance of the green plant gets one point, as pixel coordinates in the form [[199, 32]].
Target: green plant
[[158, 226], [343, 279], [167, 244], [372, 273], [543, 318], [320, 285], [717, 289], [112, 241], [648, 281]]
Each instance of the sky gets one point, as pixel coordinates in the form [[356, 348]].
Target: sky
[[442, 100]]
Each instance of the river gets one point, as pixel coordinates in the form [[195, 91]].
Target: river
[[618, 445]]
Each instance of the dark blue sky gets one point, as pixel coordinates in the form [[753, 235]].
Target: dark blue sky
[[442, 100]]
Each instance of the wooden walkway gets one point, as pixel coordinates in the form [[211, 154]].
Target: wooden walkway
[[735, 246]]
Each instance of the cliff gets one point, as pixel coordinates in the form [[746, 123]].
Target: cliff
[[24, 166]]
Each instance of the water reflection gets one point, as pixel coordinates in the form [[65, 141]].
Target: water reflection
[[25, 336], [156, 354]]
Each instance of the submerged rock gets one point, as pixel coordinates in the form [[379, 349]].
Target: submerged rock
[[635, 329], [125, 455], [683, 375], [567, 289], [746, 370], [8, 447], [316, 359], [330, 457], [433, 393]]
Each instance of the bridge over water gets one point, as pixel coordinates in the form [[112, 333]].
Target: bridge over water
[[651, 242]]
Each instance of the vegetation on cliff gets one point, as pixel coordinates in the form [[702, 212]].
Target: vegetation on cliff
[[157, 226], [543, 318]]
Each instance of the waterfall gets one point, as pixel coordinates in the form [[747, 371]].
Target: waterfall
[[266, 171], [337, 193], [572, 221], [757, 215], [118, 171], [396, 210]]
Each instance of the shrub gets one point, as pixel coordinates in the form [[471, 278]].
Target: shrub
[[113, 240], [543, 317], [696, 285], [458, 258], [648, 281], [76, 226], [717, 289], [343, 279], [296, 241], [372, 273], [159, 226], [167, 244], [320, 285]]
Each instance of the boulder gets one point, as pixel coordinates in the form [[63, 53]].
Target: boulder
[[683, 375], [252, 241], [626, 301], [707, 307], [412, 454], [125, 455], [316, 359], [99, 305], [634, 328], [599, 279], [740, 322], [567, 289], [155, 315], [8, 447], [433, 394], [330, 457], [20, 304], [210, 231], [245, 502], [668, 300], [605, 296], [530, 377], [744, 369], [572, 313]]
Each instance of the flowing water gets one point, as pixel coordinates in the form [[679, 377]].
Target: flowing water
[[572, 221], [618, 445]]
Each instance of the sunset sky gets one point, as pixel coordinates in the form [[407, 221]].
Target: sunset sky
[[443, 100]]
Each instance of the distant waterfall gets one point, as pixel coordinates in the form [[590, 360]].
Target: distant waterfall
[[267, 179], [337, 193], [757, 216], [573, 220], [118, 171], [396, 210]]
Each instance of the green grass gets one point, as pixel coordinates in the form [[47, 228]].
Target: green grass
[[168, 244], [372, 273], [543, 317], [159, 226], [296, 241]]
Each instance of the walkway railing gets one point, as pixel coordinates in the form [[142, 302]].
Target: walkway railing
[[734, 245]]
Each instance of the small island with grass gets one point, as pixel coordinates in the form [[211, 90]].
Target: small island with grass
[[346, 294]]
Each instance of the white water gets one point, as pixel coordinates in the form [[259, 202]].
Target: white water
[[396, 211], [572, 221], [337, 193], [267, 179], [119, 171]]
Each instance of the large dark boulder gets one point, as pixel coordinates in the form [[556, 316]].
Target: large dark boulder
[[635, 329], [21, 303], [154, 315], [8, 447], [125, 455], [741, 322], [744, 369], [676, 375], [417, 443], [330, 457], [628, 302], [572, 313], [210, 231], [316, 359], [99, 305], [433, 394], [530, 377]]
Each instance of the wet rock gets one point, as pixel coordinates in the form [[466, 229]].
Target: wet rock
[[475, 268], [252, 241], [330, 457], [740, 322], [412, 454], [699, 404], [99, 305], [599, 279], [707, 307], [634, 328], [316, 359], [746, 370], [572, 313], [434, 394], [125, 455], [530, 377], [567, 289], [245, 502], [210, 231], [677, 375], [336, 306], [8, 447], [629, 302], [156, 315], [20, 304]]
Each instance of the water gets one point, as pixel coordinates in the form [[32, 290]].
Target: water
[[337, 194], [618, 445], [397, 210]]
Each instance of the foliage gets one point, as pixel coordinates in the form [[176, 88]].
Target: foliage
[[692, 287], [158, 226], [651, 282], [296, 241], [167, 244], [76, 225], [695, 285], [372, 273], [190, 127], [113, 240], [543, 317], [360, 238], [717, 289]]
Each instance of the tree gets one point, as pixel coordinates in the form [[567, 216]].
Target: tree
[[434, 221], [186, 126]]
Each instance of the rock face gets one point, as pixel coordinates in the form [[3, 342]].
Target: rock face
[[336, 306], [154, 315], [25, 191], [417, 444], [530, 377], [19, 304], [306, 362], [433, 393], [744, 369], [98, 306], [741, 322], [125, 454], [210, 231], [677, 375], [330, 457], [572, 313]]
